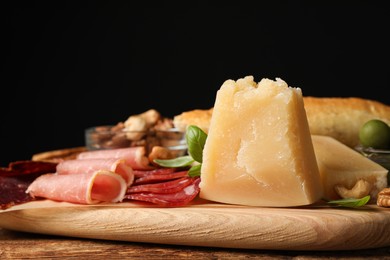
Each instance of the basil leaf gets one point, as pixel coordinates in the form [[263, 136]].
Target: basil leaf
[[196, 139], [351, 203], [181, 161], [194, 170]]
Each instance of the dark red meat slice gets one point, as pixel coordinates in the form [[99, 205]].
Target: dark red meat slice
[[15, 179], [180, 198], [151, 178], [162, 187], [35, 168], [13, 192], [143, 173]]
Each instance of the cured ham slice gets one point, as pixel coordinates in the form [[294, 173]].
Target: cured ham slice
[[89, 188], [179, 198], [134, 156], [86, 166]]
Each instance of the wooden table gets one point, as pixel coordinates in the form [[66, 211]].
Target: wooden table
[[20, 245]]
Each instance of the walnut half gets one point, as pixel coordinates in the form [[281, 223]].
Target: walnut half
[[384, 198]]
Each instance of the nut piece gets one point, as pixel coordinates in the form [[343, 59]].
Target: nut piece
[[384, 198], [151, 117], [362, 188], [135, 127], [159, 152]]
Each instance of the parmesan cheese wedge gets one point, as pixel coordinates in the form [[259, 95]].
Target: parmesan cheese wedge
[[345, 172], [259, 150]]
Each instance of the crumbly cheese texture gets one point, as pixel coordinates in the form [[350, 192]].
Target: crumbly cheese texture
[[341, 166], [259, 150]]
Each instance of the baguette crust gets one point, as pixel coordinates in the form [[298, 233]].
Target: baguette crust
[[58, 155], [198, 117], [342, 118], [338, 117]]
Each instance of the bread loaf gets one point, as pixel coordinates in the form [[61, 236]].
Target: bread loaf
[[199, 117], [342, 118], [338, 117]]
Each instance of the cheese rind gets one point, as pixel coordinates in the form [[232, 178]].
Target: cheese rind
[[259, 150], [342, 166]]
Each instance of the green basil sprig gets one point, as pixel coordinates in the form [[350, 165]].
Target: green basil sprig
[[196, 139], [350, 202]]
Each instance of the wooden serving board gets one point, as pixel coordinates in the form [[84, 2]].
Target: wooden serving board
[[209, 224]]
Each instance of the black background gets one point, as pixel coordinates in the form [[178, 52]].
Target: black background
[[72, 65]]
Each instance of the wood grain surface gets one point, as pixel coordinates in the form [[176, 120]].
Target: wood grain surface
[[21, 245], [209, 224]]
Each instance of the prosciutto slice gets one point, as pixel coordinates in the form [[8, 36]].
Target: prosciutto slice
[[134, 156], [86, 166], [88, 188]]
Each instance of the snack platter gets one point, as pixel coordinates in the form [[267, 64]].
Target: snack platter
[[312, 167], [204, 223]]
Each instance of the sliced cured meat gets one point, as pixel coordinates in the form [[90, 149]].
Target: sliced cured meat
[[27, 167], [91, 188], [176, 199], [13, 192], [15, 179], [86, 166], [150, 178], [162, 187], [134, 156], [139, 174]]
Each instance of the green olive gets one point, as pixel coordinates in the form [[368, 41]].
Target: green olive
[[375, 133]]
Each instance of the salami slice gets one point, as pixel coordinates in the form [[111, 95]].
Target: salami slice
[[180, 198], [86, 166], [150, 178], [162, 187], [134, 156], [139, 174], [91, 188]]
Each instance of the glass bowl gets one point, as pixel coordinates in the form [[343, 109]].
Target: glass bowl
[[379, 156], [111, 137]]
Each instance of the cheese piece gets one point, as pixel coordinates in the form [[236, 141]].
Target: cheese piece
[[259, 150], [342, 166]]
